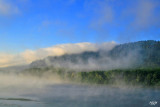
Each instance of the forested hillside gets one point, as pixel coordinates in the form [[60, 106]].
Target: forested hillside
[[140, 54], [148, 52], [136, 63]]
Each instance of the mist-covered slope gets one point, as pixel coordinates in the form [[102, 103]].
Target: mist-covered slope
[[128, 55], [147, 53]]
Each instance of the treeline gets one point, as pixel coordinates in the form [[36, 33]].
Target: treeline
[[145, 77]]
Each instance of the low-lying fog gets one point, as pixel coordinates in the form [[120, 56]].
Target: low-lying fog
[[17, 90], [49, 90]]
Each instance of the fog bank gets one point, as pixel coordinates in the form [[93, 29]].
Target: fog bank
[[26, 57]]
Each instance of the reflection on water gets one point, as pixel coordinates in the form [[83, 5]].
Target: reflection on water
[[67, 95], [9, 105], [18, 99]]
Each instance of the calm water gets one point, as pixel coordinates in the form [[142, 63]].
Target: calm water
[[66, 95]]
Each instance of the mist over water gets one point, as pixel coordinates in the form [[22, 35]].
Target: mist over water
[[68, 53], [31, 89], [40, 85], [18, 90]]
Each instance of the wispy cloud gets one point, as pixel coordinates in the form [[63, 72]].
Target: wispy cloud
[[129, 17], [28, 56], [144, 14], [144, 17], [8, 8], [102, 11]]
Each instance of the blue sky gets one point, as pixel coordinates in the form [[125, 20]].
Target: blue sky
[[34, 24]]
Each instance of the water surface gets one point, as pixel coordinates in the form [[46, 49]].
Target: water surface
[[69, 95]]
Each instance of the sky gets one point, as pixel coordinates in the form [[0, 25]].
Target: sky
[[31, 25]]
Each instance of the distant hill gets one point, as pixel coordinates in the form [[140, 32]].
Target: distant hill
[[66, 60], [147, 52], [139, 54]]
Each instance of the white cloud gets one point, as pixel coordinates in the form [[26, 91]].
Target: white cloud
[[145, 14], [28, 56], [5, 58]]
